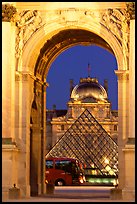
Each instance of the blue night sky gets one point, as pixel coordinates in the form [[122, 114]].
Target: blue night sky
[[73, 64]]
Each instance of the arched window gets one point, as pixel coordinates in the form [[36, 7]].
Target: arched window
[[62, 127], [115, 127]]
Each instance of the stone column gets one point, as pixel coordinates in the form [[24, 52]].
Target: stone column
[[37, 140], [9, 147], [123, 120], [43, 138], [129, 149], [132, 80], [126, 121], [8, 72], [24, 95]]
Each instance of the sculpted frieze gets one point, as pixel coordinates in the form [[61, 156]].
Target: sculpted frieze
[[116, 21]]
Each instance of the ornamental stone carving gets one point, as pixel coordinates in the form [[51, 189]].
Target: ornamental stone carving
[[117, 22], [8, 12], [24, 76], [131, 9], [27, 22]]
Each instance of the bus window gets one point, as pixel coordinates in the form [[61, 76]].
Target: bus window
[[49, 164], [63, 164]]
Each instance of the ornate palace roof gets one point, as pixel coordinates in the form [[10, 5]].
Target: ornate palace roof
[[89, 88]]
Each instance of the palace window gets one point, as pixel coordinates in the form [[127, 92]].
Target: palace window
[[62, 127], [115, 127]]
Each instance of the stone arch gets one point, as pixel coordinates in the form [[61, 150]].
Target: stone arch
[[45, 33], [19, 62], [33, 49]]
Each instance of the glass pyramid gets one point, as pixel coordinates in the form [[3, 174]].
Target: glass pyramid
[[87, 141]]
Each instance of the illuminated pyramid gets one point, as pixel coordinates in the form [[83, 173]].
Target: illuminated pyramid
[[87, 141]]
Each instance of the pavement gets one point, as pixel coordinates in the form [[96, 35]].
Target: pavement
[[73, 195]]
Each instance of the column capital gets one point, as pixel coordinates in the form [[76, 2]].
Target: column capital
[[23, 76], [8, 12], [122, 74]]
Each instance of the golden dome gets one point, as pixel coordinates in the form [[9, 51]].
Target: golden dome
[[89, 88]]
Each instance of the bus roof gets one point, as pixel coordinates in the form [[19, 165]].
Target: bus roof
[[61, 158]]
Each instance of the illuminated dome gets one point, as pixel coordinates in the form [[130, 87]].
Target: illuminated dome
[[90, 89]]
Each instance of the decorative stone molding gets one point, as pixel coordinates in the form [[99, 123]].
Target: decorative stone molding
[[7, 141], [8, 12], [112, 20], [131, 141], [123, 75], [27, 22], [116, 21], [69, 16], [23, 76]]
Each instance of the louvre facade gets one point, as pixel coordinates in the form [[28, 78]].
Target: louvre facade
[[87, 130]]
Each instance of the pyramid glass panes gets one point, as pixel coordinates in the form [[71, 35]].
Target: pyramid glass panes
[[87, 141]]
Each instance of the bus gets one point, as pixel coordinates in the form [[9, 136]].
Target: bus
[[62, 171]]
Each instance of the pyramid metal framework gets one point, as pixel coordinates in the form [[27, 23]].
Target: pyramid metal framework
[[87, 141]]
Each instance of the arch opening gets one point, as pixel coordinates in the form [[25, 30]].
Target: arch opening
[[60, 42], [73, 64], [52, 48]]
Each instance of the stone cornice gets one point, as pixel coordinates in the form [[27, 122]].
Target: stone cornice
[[7, 12], [24, 76]]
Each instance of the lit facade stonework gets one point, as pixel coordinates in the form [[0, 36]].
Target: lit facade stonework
[[85, 95], [33, 35]]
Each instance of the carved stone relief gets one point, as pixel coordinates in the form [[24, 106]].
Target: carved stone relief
[[27, 22], [131, 9], [115, 21], [8, 12]]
